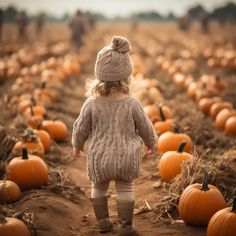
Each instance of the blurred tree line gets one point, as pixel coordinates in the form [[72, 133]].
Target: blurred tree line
[[224, 13]]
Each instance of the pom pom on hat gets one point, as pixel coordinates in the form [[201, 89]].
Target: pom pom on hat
[[120, 44], [113, 62]]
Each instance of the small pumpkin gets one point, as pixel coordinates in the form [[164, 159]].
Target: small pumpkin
[[9, 191], [36, 110], [44, 138], [10, 226], [171, 162], [57, 129], [199, 202], [153, 112], [170, 141], [164, 124], [205, 104], [218, 106], [230, 126], [27, 171], [31, 142], [223, 222], [223, 116]]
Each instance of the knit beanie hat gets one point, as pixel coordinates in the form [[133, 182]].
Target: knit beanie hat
[[113, 62]]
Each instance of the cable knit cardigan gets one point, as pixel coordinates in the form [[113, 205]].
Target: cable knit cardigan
[[115, 130]]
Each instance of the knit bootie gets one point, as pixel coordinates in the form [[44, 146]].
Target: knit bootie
[[100, 207], [125, 214]]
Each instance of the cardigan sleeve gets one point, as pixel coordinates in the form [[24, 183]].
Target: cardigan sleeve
[[144, 126], [82, 126]]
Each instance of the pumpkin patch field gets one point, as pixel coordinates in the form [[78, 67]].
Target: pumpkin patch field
[[186, 82]]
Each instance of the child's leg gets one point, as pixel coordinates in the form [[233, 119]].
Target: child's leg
[[125, 207], [99, 189], [125, 190], [100, 205]]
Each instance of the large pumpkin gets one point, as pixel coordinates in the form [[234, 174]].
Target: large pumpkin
[[57, 130], [199, 202], [13, 227], [170, 141], [223, 222], [27, 171], [171, 162], [9, 191]]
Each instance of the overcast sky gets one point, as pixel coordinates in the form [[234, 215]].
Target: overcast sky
[[111, 7]]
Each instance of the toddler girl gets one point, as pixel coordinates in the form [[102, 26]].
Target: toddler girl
[[116, 126]]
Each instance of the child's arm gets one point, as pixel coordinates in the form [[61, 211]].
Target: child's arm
[[144, 127], [82, 127]]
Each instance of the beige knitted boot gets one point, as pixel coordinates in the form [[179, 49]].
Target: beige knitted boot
[[125, 213], [100, 207]]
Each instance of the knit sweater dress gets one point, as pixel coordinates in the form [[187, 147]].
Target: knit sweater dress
[[116, 130]]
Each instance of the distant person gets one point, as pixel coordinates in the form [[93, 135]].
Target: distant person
[[184, 23], [39, 22], [91, 20], [77, 26], [134, 23], [205, 22], [22, 22], [1, 23]]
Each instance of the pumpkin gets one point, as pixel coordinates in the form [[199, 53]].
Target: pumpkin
[[31, 142], [223, 222], [230, 126], [170, 141], [9, 191], [27, 171], [164, 125], [171, 162], [57, 130], [205, 92], [219, 84], [43, 95], [205, 104], [10, 226], [218, 106], [36, 110], [223, 116], [153, 112], [199, 202], [44, 138]]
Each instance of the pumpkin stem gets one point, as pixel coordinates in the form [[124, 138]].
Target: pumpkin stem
[[24, 153], [43, 85], [31, 110], [162, 113], [33, 102], [205, 182], [175, 128], [181, 147], [234, 206]]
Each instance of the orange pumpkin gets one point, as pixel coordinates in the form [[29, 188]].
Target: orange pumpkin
[[27, 171], [223, 116], [164, 125], [10, 226], [199, 202], [31, 142], [170, 141], [218, 106], [153, 112], [230, 126], [57, 130], [44, 138], [223, 222], [205, 104], [36, 110], [9, 191], [171, 162], [219, 84]]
